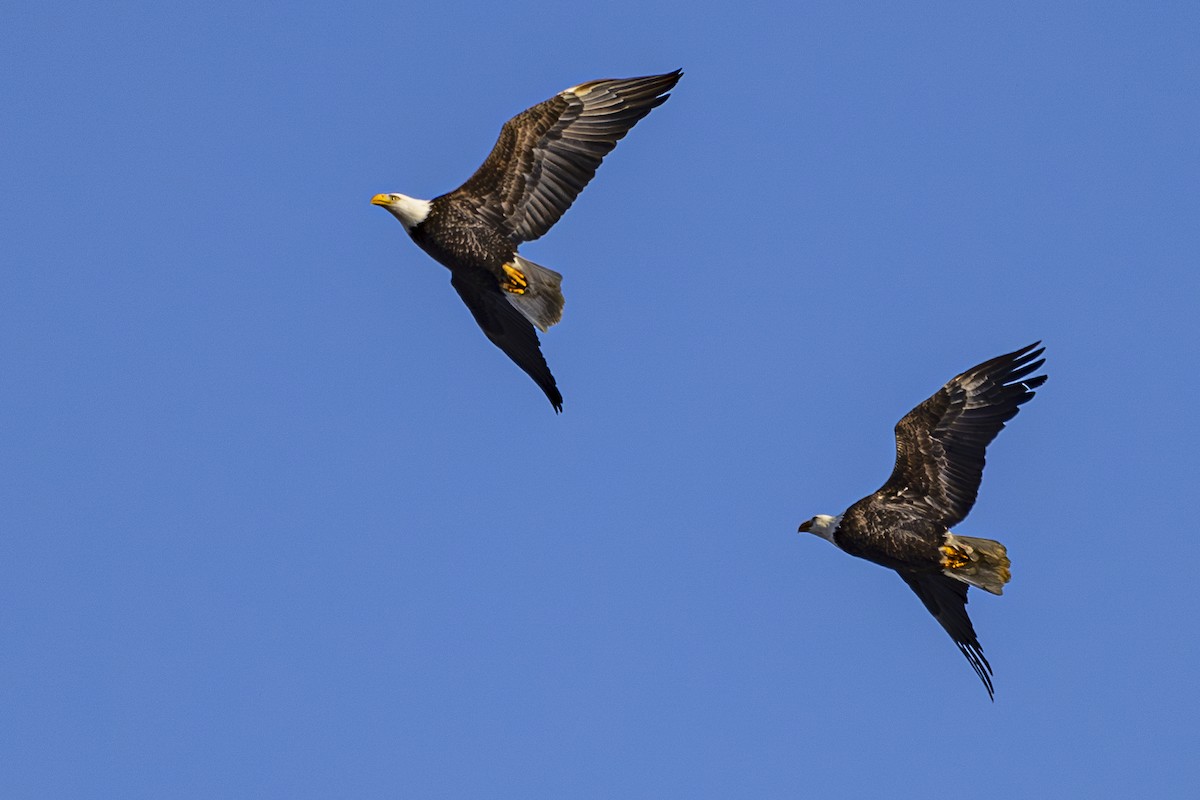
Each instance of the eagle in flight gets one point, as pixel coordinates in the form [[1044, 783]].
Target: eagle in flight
[[544, 157], [906, 525]]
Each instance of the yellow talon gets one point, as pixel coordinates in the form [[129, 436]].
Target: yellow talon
[[517, 283], [953, 557]]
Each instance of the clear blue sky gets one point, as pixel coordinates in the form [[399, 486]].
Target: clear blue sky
[[276, 520]]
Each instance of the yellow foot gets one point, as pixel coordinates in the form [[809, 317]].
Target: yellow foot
[[953, 558], [517, 283]]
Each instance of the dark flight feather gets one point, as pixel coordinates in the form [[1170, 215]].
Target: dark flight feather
[[546, 154], [940, 444], [946, 600], [507, 328]]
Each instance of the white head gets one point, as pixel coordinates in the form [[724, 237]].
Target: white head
[[822, 525], [409, 210]]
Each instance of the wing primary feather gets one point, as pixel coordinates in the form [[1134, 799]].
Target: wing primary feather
[[946, 599], [547, 154], [941, 444], [508, 329]]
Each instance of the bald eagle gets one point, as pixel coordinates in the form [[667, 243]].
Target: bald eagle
[[544, 157], [939, 463]]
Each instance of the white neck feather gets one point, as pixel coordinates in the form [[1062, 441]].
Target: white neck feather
[[825, 526], [409, 210]]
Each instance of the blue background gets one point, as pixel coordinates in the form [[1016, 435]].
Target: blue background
[[278, 521]]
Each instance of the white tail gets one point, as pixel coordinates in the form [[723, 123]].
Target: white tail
[[980, 562], [542, 301]]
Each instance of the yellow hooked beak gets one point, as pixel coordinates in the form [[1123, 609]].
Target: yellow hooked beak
[[381, 200]]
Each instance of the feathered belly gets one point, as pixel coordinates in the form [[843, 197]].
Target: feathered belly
[[908, 547]]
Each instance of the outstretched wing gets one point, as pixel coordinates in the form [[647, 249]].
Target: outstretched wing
[[946, 599], [507, 328], [547, 154], [940, 444]]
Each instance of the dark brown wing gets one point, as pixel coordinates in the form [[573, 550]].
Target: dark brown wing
[[946, 599], [547, 154], [940, 444], [507, 328]]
